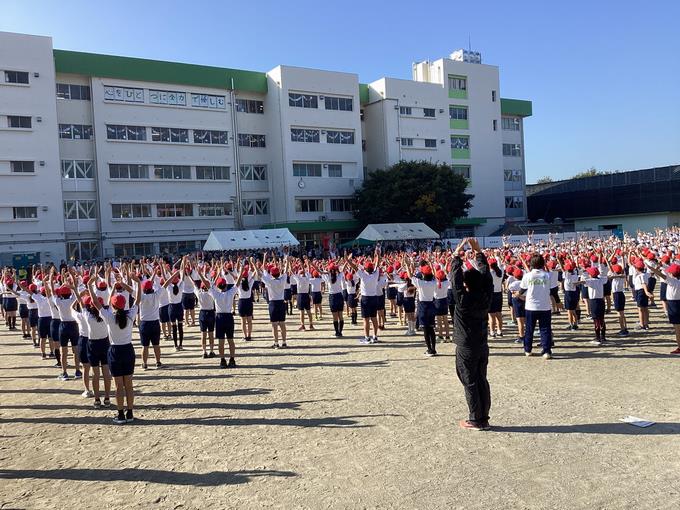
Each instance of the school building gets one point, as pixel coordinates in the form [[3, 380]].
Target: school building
[[105, 156], [621, 201]]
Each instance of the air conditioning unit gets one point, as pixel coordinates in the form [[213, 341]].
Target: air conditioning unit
[[398, 139], [41, 163], [442, 140], [38, 119], [325, 165], [396, 106], [36, 75], [44, 208], [323, 218], [323, 131], [321, 98], [441, 110]]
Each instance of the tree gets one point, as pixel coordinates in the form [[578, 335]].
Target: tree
[[413, 191], [544, 180]]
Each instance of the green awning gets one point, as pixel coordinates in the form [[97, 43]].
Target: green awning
[[356, 242], [518, 107], [469, 221], [317, 226]]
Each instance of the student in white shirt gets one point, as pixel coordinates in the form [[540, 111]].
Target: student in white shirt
[[368, 278], [149, 320], [671, 275], [425, 285], [642, 293], [97, 348], [63, 297], [496, 306], [518, 309], [618, 280], [206, 319], [535, 287], [441, 305], [224, 316], [245, 300], [188, 296], [275, 282], [300, 287], [333, 279], [595, 283], [121, 355], [315, 291], [175, 290]]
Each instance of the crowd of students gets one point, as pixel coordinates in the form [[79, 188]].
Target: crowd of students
[[95, 309]]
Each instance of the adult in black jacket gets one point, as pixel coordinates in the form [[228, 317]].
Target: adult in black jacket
[[472, 292]]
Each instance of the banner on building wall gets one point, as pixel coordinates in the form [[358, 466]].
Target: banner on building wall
[[497, 242]]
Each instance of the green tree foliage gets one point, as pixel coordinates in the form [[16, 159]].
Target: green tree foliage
[[413, 191], [544, 180]]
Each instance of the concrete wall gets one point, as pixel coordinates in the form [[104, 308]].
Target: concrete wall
[[630, 224]]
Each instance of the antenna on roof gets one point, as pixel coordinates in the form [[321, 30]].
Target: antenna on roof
[[469, 43]]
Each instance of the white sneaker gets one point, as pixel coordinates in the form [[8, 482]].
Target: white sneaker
[[595, 342], [87, 394], [527, 354], [547, 355]]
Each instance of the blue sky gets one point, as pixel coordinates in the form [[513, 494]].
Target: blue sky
[[604, 76]]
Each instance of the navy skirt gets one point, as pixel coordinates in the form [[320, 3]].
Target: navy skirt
[[496, 305], [426, 313], [673, 307], [245, 307], [188, 301], [11, 304], [176, 312], [336, 302], [316, 298], [351, 300], [121, 360], [441, 307], [570, 299], [391, 293], [277, 311], [409, 304]]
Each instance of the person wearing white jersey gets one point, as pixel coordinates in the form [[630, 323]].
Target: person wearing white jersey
[[62, 297], [83, 333], [496, 306], [224, 316], [671, 275], [188, 296], [535, 288], [274, 281], [368, 288], [245, 300], [97, 348], [300, 281], [595, 282], [175, 290], [617, 278], [206, 319], [27, 293], [336, 303], [315, 290], [441, 305], [149, 320], [425, 284]]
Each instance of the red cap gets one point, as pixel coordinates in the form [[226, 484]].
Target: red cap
[[87, 301], [665, 259], [147, 285], [220, 282], [518, 273], [617, 269], [568, 265], [101, 285], [551, 264], [348, 276], [33, 288], [651, 256], [275, 272], [85, 280], [315, 274], [673, 270], [397, 265], [639, 265], [510, 270], [118, 301], [492, 261], [440, 275], [426, 270], [390, 269], [593, 272], [63, 291], [118, 286], [594, 258]]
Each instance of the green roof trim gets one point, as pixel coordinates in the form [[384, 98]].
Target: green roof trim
[[141, 69], [363, 93], [469, 221], [518, 107], [316, 226]]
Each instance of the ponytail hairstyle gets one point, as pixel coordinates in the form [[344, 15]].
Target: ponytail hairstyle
[[121, 318], [334, 276], [175, 289], [244, 284], [94, 313]]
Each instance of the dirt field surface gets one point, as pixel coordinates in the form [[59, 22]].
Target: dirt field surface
[[330, 423]]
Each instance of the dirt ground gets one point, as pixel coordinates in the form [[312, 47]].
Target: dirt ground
[[330, 423]]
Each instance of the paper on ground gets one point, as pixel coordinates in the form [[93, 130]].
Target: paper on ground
[[638, 422]]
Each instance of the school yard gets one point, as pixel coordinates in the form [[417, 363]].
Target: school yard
[[330, 423]]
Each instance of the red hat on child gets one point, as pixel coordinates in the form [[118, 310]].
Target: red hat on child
[[518, 273], [220, 282], [674, 270], [118, 301], [275, 272], [426, 270], [101, 285], [147, 285], [440, 275], [593, 272], [33, 288], [617, 269]]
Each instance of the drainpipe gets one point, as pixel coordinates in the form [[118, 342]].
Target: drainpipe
[[238, 213]]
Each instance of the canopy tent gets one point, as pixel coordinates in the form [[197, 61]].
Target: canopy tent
[[222, 240], [356, 242], [397, 232]]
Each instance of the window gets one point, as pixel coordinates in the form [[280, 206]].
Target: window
[[309, 205], [514, 202], [341, 137], [253, 172], [130, 133], [125, 94], [22, 167], [257, 207], [173, 135], [493, 96], [431, 143], [513, 180], [246, 140], [208, 101], [407, 142], [18, 121], [495, 125], [306, 169], [213, 173], [16, 77], [405, 110], [303, 100], [342, 204], [210, 137], [75, 131], [70, 91], [82, 250], [168, 97], [458, 112], [175, 172], [304, 135], [512, 149], [249, 106], [176, 247], [117, 171], [214, 209], [77, 169], [428, 112], [24, 213], [133, 249], [510, 123], [334, 170], [457, 82], [80, 209], [460, 142], [338, 103], [174, 210], [127, 211], [462, 170]]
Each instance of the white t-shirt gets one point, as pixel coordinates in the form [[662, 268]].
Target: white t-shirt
[[96, 329], [441, 289], [537, 284], [224, 301], [175, 298], [570, 280], [149, 305], [333, 288], [595, 286], [119, 336], [275, 286], [205, 300], [44, 308], [302, 282], [640, 280], [672, 288], [315, 284], [425, 289], [64, 308], [369, 282]]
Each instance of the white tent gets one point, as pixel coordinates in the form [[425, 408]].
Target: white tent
[[221, 240], [397, 232]]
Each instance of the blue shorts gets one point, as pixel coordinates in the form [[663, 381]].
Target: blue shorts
[[391, 293], [176, 312], [409, 304], [224, 325], [369, 306], [206, 320], [54, 329], [245, 307], [651, 284], [662, 291], [584, 292], [518, 306], [335, 302], [400, 299], [381, 302], [641, 298], [44, 327], [426, 313], [619, 301], [82, 350], [554, 292], [596, 308], [121, 360], [673, 307], [351, 300], [150, 333], [188, 301], [496, 305], [98, 351], [33, 317], [316, 298], [277, 311], [607, 288], [23, 311], [164, 314], [68, 332], [303, 302], [287, 295], [293, 289], [11, 304], [570, 299], [441, 307]]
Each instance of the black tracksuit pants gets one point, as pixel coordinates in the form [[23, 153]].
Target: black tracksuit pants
[[471, 364]]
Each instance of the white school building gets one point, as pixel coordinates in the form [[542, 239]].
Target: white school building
[[104, 156]]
